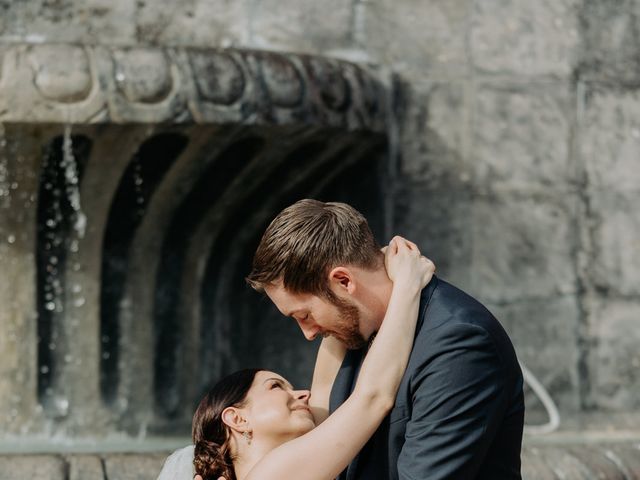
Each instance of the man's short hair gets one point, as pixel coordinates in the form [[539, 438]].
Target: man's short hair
[[309, 238]]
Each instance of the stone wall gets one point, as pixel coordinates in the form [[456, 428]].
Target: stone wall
[[515, 146], [519, 173]]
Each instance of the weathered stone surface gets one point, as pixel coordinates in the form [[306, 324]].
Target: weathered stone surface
[[50, 81], [615, 359], [133, 466], [415, 36], [203, 23], [611, 38], [543, 334], [438, 220], [609, 136], [615, 268], [37, 467], [143, 75], [333, 87], [149, 84], [521, 136], [282, 80], [73, 21], [547, 458], [523, 246], [552, 460], [85, 467], [62, 73], [434, 128], [219, 78], [524, 38], [19, 166], [305, 26]]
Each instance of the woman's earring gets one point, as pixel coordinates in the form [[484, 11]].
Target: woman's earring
[[247, 436]]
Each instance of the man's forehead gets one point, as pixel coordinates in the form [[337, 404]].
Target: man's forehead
[[286, 301]]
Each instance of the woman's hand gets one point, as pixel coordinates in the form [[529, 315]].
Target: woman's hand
[[405, 265]]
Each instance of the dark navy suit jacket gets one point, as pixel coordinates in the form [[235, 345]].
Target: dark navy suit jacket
[[459, 412]]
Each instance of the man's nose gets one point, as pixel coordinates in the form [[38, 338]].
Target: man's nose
[[309, 331]]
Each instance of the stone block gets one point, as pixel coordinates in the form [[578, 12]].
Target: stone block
[[85, 467], [543, 332], [610, 34], [609, 137], [521, 136], [433, 124], [133, 466], [530, 38], [438, 222], [40, 467], [615, 268], [414, 36], [615, 357], [69, 21], [523, 246], [199, 23], [301, 26]]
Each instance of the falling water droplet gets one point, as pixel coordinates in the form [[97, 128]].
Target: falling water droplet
[[11, 238], [71, 175], [61, 406]]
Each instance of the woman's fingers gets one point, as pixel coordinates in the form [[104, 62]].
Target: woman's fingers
[[403, 243]]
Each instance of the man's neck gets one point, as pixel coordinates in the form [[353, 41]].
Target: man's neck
[[374, 294]]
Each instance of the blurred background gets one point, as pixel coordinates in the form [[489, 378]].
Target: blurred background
[[145, 146]]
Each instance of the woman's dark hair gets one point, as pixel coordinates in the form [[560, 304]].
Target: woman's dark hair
[[212, 455]]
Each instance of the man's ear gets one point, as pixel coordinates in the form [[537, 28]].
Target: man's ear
[[233, 418], [342, 280]]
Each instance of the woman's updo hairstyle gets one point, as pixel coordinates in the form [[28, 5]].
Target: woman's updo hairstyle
[[212, 454]]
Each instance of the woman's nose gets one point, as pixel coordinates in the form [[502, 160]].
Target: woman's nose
[[302, 394]]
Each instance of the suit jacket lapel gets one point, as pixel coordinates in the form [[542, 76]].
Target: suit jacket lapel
[[346, 379], [342, 388]]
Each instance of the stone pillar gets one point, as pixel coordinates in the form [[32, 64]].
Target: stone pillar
[[19, 167]]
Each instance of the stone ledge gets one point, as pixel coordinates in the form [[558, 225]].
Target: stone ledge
[[602, 461], [63, 83]]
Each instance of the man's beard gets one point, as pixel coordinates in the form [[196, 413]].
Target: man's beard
[[348, 328]]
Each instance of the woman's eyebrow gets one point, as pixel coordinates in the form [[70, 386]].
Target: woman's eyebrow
[[281, 382]]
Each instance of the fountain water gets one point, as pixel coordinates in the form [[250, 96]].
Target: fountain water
[[134, 184]]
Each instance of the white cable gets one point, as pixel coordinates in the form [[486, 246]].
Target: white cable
[[548, 403]]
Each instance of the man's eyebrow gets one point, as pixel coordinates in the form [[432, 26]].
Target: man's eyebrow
[[280, 381]]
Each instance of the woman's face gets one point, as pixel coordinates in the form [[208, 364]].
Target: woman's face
[[274, 409]]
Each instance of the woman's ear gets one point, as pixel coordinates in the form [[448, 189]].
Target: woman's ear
[[233, 418], [341, 279]]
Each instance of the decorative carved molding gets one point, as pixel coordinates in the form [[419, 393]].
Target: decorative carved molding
[[62, 83]]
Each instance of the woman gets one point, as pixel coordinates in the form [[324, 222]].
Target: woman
[[254, 426]]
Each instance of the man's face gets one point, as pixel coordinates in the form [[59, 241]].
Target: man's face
[[318, 316]]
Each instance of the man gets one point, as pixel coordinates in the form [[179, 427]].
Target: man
[[459, 411]]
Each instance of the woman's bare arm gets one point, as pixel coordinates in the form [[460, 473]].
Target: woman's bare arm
[[330, 356], [325, 451]]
